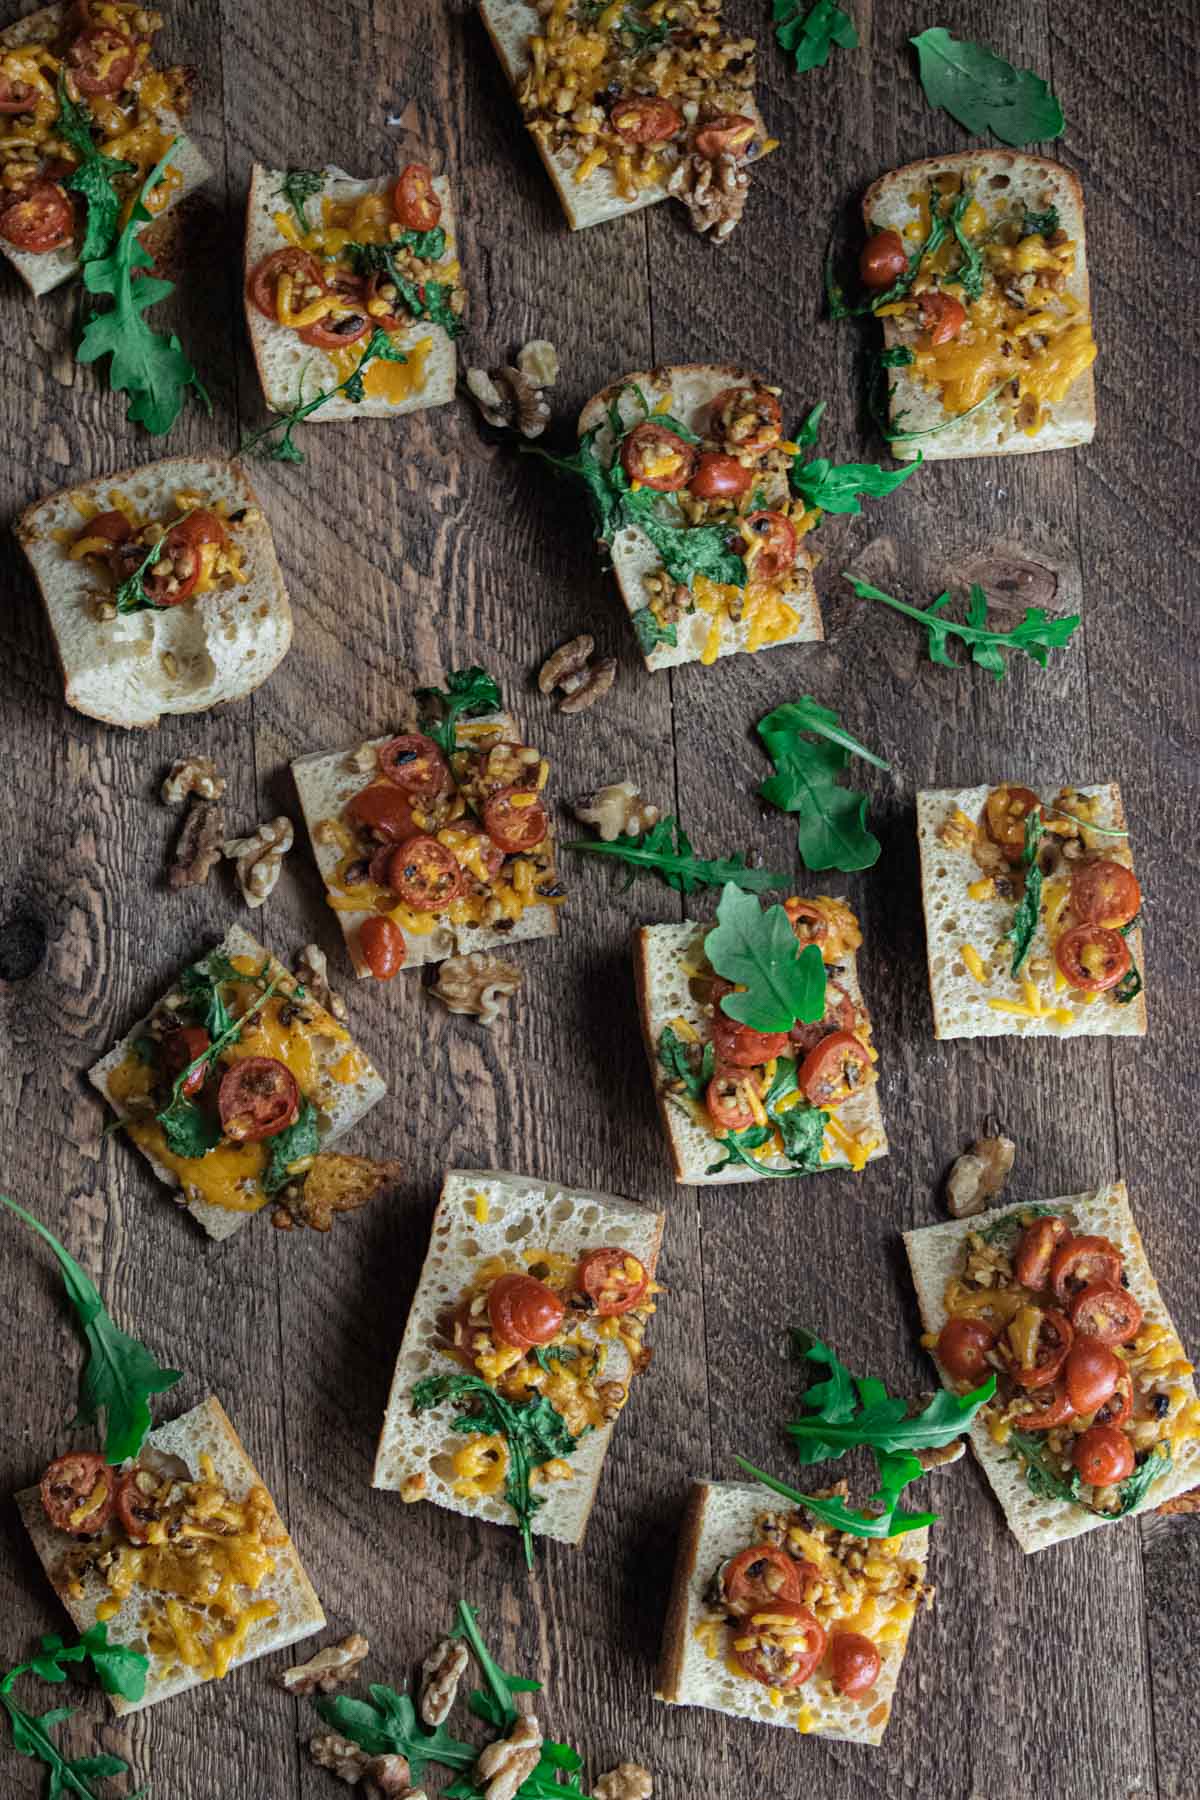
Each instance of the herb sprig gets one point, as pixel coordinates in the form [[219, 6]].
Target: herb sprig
[[120, 1672], [300, 1140], [131, 596], [468, 694], [298, 187], [836, 487], [831, 820], [1035, 635], [1029, 909], [985, 93], [380, 348], [808, 35], [781, 981], [800, 1127], [430, 300], [666, 850], [94, 177]]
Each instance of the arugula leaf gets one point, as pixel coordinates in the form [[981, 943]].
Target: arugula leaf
[[468, 693], [810, 430], [585, 466], [834, 1397], [650, 630], [832, 820], [1029, 910], [201, 984], [899, 357], [1129, 986], [969, 274], [1039, 224], [387, 1725], [835, 487], [686, 550], [910, 437], [839, 307], [131, 596], [833, 1510], [1135, 1487], [759, 950], [94, 176], [428, 246], [810, 36], [673, 1055], [1036, 634], [380, 348], [298, 188], [666, 850], [299, 1140], [985, 93], [497, 1708], [120, 1373], [801, 1129], [644, 34], [190, 1132], [429, 300], [1014, 1222], [30, 1738], [1049, 1483], [884, 1426], [120, 1670]]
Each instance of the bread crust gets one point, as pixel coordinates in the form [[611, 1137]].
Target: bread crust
[[641, 982], [667, 1686], [957, 162]]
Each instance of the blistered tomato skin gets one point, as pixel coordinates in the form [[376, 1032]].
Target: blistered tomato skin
[[382, 944]]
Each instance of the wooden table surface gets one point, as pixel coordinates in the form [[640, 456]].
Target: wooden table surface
[[418, 547]]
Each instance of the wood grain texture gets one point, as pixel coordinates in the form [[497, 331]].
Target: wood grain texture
[[413, 549]]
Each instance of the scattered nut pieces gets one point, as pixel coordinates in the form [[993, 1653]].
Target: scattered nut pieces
[[260, 858], [331, 1183], [516, 395], [328, 1669], [615, 811], [714, 191], [979, 1175], [339, 1756], [387, 1778], [192, 775], [312, 968], [508, 1763], [412, 1488], [441, 1673], [628, 1781], [479, 983], [199, 844], [570, 669]]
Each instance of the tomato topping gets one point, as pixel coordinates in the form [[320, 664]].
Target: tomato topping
[[382, 944], [809, 923], [384, 808], [69, 1487], [1055, 1334], [728, 1107], [962, 1348], [179, 1049], [415, 764], [113, 527], [176, 575], [1093, 958], [135, 1505], [100, 61], [1079, 1262], [757, 1577], [1035, 1251], [16, 96], [257, 1098], [337, 330], [614, 1279], [657, 458], [776, 551], [40, 218], [426, 875], [1103, 1455], [413, 200], [942, 316], [1105, 893], [839, 1016], [747, 419], [515, 820], [524, 1311], [854, 1663], [740, 1046], [719, 477], [301, 265], [1051, 1406], [729, 134], [389, 320], [1108, 1312], [786, 1644], [380, 866], [1005, 813], [645, 121], [1092, 1373], [882, 259], [836, 1070], [1118, 1408]]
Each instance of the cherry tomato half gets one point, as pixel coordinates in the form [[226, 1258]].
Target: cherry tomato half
[[719, 477], [729, 134], [382, 944], [645, 121], [113, 527], [942, 316], [303, 268], [77, 1493], [1105, 893], [41, 218], [1093, 958], [1092, 1373], [757, 1577], [1103, 1455], [16, 96], [1035, 1251], [854, 1663], [657, 458], [1118, 1408], [786, 1644], [384, 808], [515, 820], [426, 875], [614, 1279], [390, 319], [1055, 1334], [415, 764], [1079, 1262], [258, 1098], [728, 1107], [337, 330], [413, 200], [836, 1070], [775, 554], [740, 1046], [179, 1050], [1107, 1312], [839, 1016], [524, 1311], [100, 61], [176, 575], [882, 260], [1005, 813], [1049, 1406], [135, 1504], [747, 419], [962, 1348], [809, 923]]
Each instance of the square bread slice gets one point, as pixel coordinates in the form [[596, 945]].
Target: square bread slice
[[484, 1213], [960, 927], [935, 1254], [1005, 182], [662, 957], [286, 366], [132, 668], [42, 271], [325, 781], [340, 1096], [205, 1431], [686, 391], [692, 1671]]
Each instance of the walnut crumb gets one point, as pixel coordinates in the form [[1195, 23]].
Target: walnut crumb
[[259, 858], [628, 1781], [328, 1669], [478, 984], [192, 775], [616, 810]]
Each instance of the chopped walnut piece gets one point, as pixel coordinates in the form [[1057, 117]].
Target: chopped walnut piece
[[387, 1778], [940, 1456], [363, 760], [571, 669], [198, 847], [628, 1781], [441, 1673], [328, 1669], [312, 967], [260, 858], [192, 775], [477, 984], [339, 1756], [615, 810], [713, 189], [507, 1764], [979, 1175], [331, 1183], [516, 395], [412, 1488]]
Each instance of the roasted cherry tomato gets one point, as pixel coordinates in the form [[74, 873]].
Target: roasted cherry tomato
[[415, 764], [258, 1098], [1103, 1455], [657, 458], [179, 1050], [776, 552], [1035, 1251], [1005, 812], [515, 820], [100, 61], [1118, 1408], [839, 1016], [413, 200], [1092, 958], [1079, 1262], [382, 944], [740, 1046], [303, 268], [1103, 1310], [40, 218], [809, 923], [614, 1279], [335, 331], [135, 1504], [757, 1577], [962, 1348], [728, 1107], [854, 1663], [391, 319], [747, 419], [176, 575], [77, 1493], [1055, 1335], [113, 527], [1092, 1373], [426, 875], [16, 96], [836, 1070], [882, 260], [384, 808], [729, 134], [942, 316], [719, 477], [379, 868], [1105, 893], [1049, 1406], [645, 121], [785, 1645], [524, 1311]]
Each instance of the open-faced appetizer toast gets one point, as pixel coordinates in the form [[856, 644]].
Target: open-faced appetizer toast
[[235, 1083], [1095, 1414], [330, 261], [70, 74], [525, 1333], [179, 1551], [778, 1617], [434, 843], [977, 265], [162, 589], [795, 1093], [655, 105], [1032, 913]]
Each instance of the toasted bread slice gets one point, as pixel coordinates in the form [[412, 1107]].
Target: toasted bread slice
[[42, 271], [955, 922], [1005, 182], [661, 958], [332, 1073], [205, 1431], [686, 391], [131, 669], [694, 1667], [286, 366], [935, 1254], [484, 1213]]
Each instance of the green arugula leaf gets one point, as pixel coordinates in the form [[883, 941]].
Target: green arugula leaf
[[429, 300], [1040, 224], [884, 1426], [603, 501], [666, 850], [30, 1736], [644, 34], [969, 273], [202, 984], [673, 1055], [429, 246], [832, 820], [834, 1511], [899, 357], [380, 348], [759, 950], [1129, 986], [131, 596], [1135, 1487], [94, 176], [299, 186], [468, 694], [1029, 910], [985, 93], [835, 487], [834, 1398], [299, 1140], [498, 1707], [810, 430], [801, 1129], [686, 550], [650, 631], [809, 35], [910, 437], [1036, 634], [189, 1131], [835, 299], [1049, 1483], [387, 1725], [119, 1670], [1014, 1222], [120, 1373]]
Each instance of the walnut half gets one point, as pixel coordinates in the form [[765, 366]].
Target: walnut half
[[615, 811], [979, 1176], [192, 775], [328, 1669], [260, 858], [477, 984], [441, 1673], [628, 1781], [507, 1764], [581, 681], [198, 847], [312, 968], [516, 395]]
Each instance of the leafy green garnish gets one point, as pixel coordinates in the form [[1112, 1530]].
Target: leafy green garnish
[[1015, 1221], [835, 487], [429, 300], [94, 176], [1029, 909], [832, 820], [298, 187], [584, 465], [759, 950], [833, 1510], [120, 1671], [898, 357], [839, 306], [202, 983], [1036, 634], [299, 1140], [910, 437], [556, 1770], [650, 630], [387, 1725], [131, 596], [801, 1129], [985, 93], [468, 693], [969, 273], [644, 34], [1129, 986], [810, 35], [120, 1374], [673, 1055], [429, 246], [1039, 224], [666, 849], [1049, 1483], [379, 348], [189, 1131]]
